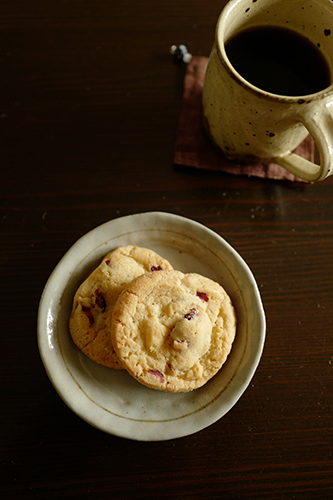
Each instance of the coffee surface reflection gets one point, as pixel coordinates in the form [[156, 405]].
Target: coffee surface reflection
[[279, 61]]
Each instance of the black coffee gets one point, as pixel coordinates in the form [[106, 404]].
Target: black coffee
[[279, 61]]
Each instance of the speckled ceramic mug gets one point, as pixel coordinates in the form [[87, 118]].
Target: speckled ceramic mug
[[245, 121]]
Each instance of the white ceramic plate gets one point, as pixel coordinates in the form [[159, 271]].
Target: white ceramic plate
[[112, 400]]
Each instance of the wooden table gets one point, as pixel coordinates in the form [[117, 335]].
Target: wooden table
[[89, 106]]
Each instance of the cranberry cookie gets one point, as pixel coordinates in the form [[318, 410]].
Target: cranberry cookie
[[173, 331], [94, 300]]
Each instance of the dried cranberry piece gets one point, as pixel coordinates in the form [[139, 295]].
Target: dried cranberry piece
[[191, 314], [100, 301], [202, 296], [107, 262], [156, 268], [88, 312], [157, 374]]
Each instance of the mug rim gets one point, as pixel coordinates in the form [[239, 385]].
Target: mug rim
[[299, 99]]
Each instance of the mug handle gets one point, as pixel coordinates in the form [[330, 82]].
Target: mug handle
[[320, 127]]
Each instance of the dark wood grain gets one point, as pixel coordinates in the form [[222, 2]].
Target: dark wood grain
[[89, 106]]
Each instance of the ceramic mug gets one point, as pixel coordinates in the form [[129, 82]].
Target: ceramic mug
[[245, 121]]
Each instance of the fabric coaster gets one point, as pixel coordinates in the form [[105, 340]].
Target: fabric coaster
[[194, 149]]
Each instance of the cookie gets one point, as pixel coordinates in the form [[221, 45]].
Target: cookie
[[173, 331], [94, 300]]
